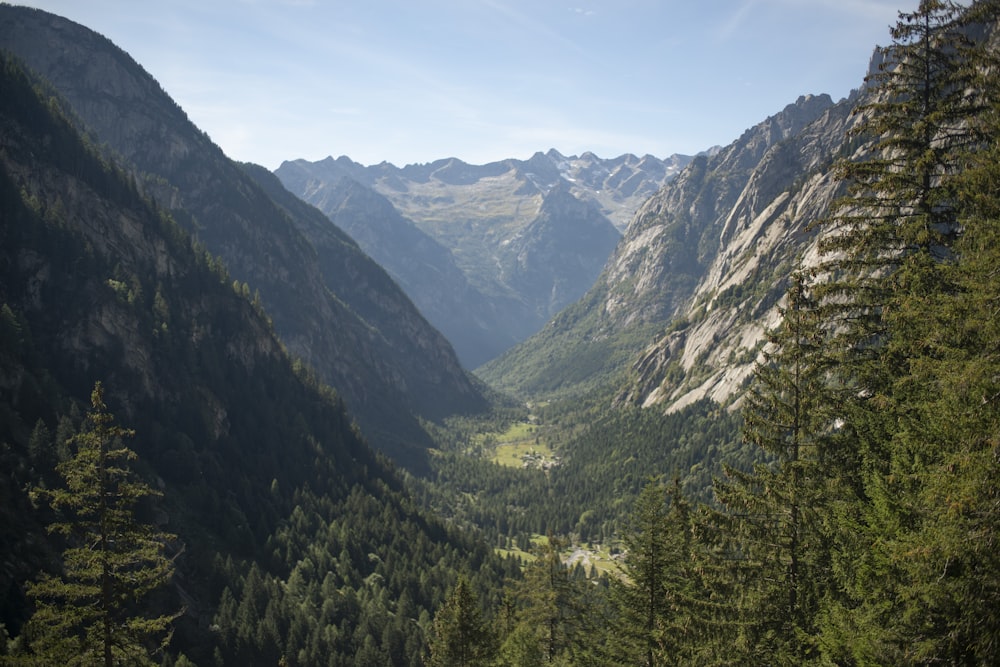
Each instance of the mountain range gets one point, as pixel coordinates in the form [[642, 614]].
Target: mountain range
[[502, 258], [671, 311], [262, 331], [487, 252]]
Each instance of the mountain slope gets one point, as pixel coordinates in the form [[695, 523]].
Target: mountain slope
[[435, 386], [763, 236], [368, 342], [732, 221], [557, 251], [423, 267], [265, 480]]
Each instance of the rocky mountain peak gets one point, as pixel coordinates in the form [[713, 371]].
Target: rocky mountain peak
[[558, 251], [541, 170]]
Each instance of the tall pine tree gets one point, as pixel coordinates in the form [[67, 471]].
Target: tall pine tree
[[551, 619], [92, 612], [461, 637], [889, 247], [774, 514], [654, 594], [951, 560]]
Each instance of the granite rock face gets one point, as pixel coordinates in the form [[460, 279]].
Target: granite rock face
[[680, 309]]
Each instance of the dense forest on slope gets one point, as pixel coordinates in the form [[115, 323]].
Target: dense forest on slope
[[601, 461], [861, 525], [271, 489]]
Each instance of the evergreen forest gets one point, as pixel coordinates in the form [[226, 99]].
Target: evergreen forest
[[179, 489]]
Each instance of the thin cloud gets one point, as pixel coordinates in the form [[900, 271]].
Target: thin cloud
[[864, 10], [532, 25], [734, 22]]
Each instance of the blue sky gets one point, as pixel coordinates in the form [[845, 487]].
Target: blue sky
[[411, 81]]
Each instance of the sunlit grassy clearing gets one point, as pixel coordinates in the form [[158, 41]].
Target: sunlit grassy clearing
[[517, 432], [522, 454], [593, 556], [523, 556], [596, 557], [519, 444]]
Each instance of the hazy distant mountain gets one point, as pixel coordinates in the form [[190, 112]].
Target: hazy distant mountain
[[523, 255], [331, 304], [555, 253], [424, 268], [680, 308]]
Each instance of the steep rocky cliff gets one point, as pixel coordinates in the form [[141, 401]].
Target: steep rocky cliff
[[353, 325], [762, 236]]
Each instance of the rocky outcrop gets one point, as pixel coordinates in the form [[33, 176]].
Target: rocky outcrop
[[763, 235], [679, 233]]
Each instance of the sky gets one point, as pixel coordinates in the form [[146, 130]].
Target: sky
[[413, 81]]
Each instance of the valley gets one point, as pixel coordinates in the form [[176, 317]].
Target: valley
[[730, 408]]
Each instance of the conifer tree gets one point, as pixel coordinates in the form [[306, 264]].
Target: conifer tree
[[887, 240], [658, 584], [461, 638], [951, 558], [643, 594], [91, 612], [774, 513], [889, 247], [549, 619]]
